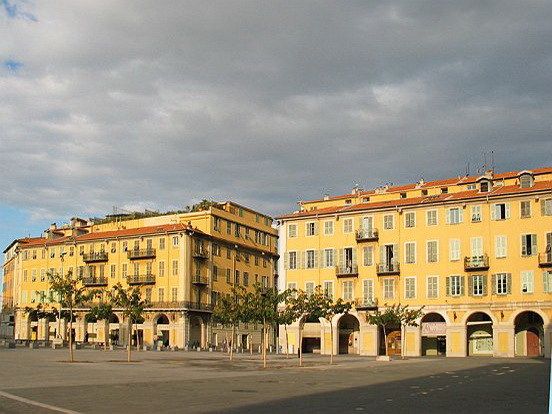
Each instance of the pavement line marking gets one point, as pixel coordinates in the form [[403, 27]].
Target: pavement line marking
[[36, 403]]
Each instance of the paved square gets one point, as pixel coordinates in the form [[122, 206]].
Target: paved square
[[38, 381]]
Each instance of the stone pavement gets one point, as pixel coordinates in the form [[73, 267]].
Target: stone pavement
[[40, 381]]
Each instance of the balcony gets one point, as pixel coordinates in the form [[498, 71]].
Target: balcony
[[199, 280], [94, 281], [476, 263], [198, 306], [366, 235], [346, 271], [141, 279], [94, 257], [388, 269], [366, 304], [545, 259], [201, 253], [141, 254]]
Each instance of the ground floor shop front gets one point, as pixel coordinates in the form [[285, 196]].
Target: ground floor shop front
[[442, 331]]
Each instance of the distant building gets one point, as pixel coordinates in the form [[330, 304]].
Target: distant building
[[181, 262], [474, 250]]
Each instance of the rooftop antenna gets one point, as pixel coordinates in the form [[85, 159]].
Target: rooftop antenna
[[492, 161], [484, 161]]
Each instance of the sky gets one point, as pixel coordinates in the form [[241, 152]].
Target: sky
[[148, 104]]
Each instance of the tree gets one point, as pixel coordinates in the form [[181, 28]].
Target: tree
[[383, 319], [329, 310], [130, 300], [229, 312], [69, 293], [102, 311], [286, 314], [406, 317]]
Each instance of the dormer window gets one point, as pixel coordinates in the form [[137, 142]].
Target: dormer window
[[525, 180], [484, 186], [348, 202], [403, 195], [424, 192], [444, 190]]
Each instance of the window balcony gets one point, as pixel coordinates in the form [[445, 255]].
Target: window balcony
[[201, 253], [388, 269], [199, 280], [141, 254], [141, 279], [476, 262], [545, 259], [366, 304], [366, 235], [182, 305], [94, 257], [198, 306], [94, 281], [346, 271]]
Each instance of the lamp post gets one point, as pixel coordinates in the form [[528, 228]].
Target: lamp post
[[62, 257]]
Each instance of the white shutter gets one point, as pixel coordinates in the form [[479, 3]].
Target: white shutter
[[523, 245], [355, 256], [341, 256], [507, 205], [365, 255], [493, 211], [447, 217], [286, 260], [545, 282], [534, 244], [302, 261], [460, 215], [315, 253], [316, 228], [395, 252]]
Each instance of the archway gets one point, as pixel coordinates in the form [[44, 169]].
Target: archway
[[162, 329], [434, 335], [310, 336], [480, 334], [196, 324], [529, 334], [348, 329]]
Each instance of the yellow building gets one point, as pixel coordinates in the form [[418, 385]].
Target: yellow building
[[181, 262], [475, 251]]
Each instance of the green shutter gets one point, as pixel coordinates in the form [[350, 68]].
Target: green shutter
[[354, 256], [509, 283], [484, 285], [493, 287], [462, 290], [470, 285], [545, 282], [448, 285]]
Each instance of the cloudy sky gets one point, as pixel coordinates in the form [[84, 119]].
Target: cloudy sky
[[158, 104]]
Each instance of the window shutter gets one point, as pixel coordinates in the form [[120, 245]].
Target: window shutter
[[543, 207], [470, 285], [341, 255], [316, 228], [462, 290], [382, 254], [509, 283], [545, 282], [286, 260], [494, 284], [484, 285], [493, 211], [523, 245], [507, 205], [355, 256], [302, 263], [395, 252], [534, 244], [315, 259], [447, 219], [461, 215], [448, 285], [365, 255]]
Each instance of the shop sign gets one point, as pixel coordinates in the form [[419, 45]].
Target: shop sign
[[434, 328]]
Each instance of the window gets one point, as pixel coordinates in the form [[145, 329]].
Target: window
[[348, 202], [136, 244], [148, 295], [310, 259], [527, 281], [368, 256], [136, 268], [246, 257], [228, 253], [124, 270], [228, 227], [432, 251], [528, 244], [444, 190], [292, 286], [215, 273], [476, 215], [432, 287], [125, 248], [455, 285], [328, 227], [245, 278], [293, 260], [174, 294], [42, 275], [348, 290], [367, 290], [310, 229], [309, 288], [149, 266], [500, 211], [472, 187], [547, 281], [525, 209], [240, 212], [292, 230], [454, 250], [389, 288], [237, 277], [256, 260], [216, 223], [237, 230], [455, 215], [161, 269], [410, 220], [526, 181], [502, 283], [409, 287], [328, 257], [477, 285], [484, 186], [161, 294], [431, 218], [328, 289], [216, 249], [500, 247], [410, 252], [175, 241], [348, 225], [175, 267], [162, 243], [113, 271], [228, 280], [388, 222], [546, 207]]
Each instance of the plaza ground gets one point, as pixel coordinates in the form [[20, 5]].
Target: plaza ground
[[39, 381]]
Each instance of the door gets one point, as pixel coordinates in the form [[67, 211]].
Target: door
[[368, 224], [533, 343], [394, 343], [348, 258], [389, 256], [548, 248]]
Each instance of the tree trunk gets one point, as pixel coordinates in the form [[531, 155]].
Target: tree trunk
[[403, 342], [129, 345], [250, 344], [232, 341], [265, 344], [300, 344], [137, 338], [331, 340], [71, 333], [384, 340], [287, 344], [106, 336]]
